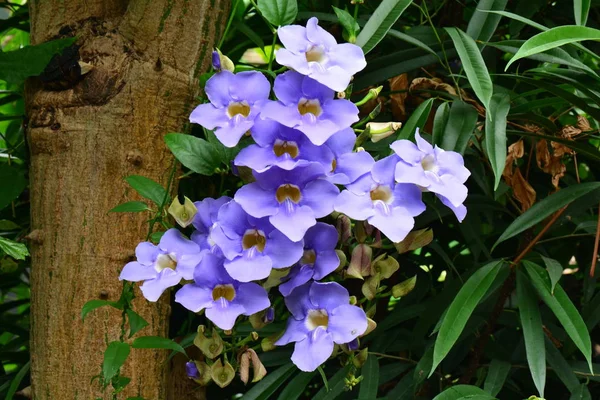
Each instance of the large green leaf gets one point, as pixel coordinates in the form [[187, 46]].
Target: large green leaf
[[459, 127], [17, 65], [370, 379], [533, 332], [417, 120], [269, 384], [563, 369], [348, 22], [581, 393], [495, 134], [543, 209], [563, 309], [554, 37], [337, 384], [403, 389], [94, 304], [278, 12], [461, 309], [472, 61], [581, 8], [296, 387], [16, 250], [197, 154], [12, 183], [147, 188], [386, 14], [157, 342], [496, 376], [439, 123], [115, 355], [483, 24], [463, 392]]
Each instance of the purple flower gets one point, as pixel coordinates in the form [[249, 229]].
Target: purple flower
[[310, 107], [191, 370], [347, 166], [281, 146], [434, 170], [235, 102], [388, 206], [252, 246], [321, 316], [291, 199], [162, 266], [314, 52], [222, 297], [205, 219], [319, 258]]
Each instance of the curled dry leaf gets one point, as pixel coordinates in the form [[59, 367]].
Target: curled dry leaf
[[583, 123], [397, 100], [551, 163], [522, 190]]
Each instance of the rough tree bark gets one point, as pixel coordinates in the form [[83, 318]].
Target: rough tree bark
[[146, 57]]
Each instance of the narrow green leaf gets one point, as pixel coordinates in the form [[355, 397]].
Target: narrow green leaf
[[561, 367], [147, 188], [519, 18], [581, 8], [495, 134], [459, 127], [323, 377], [403, 390], [542, 209], [12, 183], [417, 119], [563, 309], [348, 22], [391, 371], [463, 392], [581, 393], [16, 250], [6, 225], [461, 309], [496, 376], [157, 342], [115, 355], [94, 304], [483, 24], [554, 37], [296, 387], [423, 367], [131, 206], [384, 17], [136, 322], [533, 332], [439, 123], [278, 12], [196, 154], [475, 68], [16, 381], [370, 379], [409, 39], [270, 383], [336, 386], [555, 271]]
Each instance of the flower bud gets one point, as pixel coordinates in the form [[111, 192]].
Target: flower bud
[[353, 345], [343, 259], [212, 347], [360, 262], [369, 288], [256, 56], [192, 370], [371, 325], [257, 320], [361, 358], [254, 335], [385, 266], [404, 288], [183, 213], [344, 228], [221, 62], [381, 130], [268, 343], [221, 374], [353, 300], [269, 315], [415, 240]]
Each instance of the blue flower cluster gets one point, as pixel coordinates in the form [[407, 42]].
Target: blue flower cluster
[[304, 149]]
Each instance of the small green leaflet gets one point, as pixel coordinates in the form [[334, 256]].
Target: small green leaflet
[[278, 12], [463, 392], [147, 188], [16, 250], [495, 134], [136, 322], [196, 154], [115, 355], [94, 304], [555, 271]]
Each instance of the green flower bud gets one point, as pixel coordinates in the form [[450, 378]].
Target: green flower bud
[[221, 374], [183, 213], [212, 347]]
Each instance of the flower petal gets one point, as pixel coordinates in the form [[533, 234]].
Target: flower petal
[[326, 262], [193, 297], [346, 323], [395, 225], [253, 297], [293, 221], [320, 195], [135, 272], [282, 251], [146, 253], [224, 313], [251, 266], [295, 331], [407, 151], [358, 207], [173, 242], [209, 116], [328, 295], [153, 288], [293, 37], [257, 201], [313, 351], [297, 277], [251, 86]]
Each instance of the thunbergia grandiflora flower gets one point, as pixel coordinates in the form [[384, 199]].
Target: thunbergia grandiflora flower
[[314, 52], [222, 298], [162, 266], [347, 165], [235, 102], [205, 219], [434, 170], [321, 316]]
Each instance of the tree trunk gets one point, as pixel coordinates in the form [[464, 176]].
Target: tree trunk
[[146, 56]]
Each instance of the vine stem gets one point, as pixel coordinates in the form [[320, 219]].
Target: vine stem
[[596, 243]]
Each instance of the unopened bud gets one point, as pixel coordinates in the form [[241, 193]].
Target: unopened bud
[[360, 262], [183, 213], [192, 370], [344, 227], [212, 347], [268, 343], [404, 288], [257, 320], [221, 374], [204, 374], [415, 240], [371, 325], [353, 300], [256, 56], [353, 345], [221, 62], [254, 335], [360, 359], [381, 130], [343, 259], [385, 265], [228, 332], [372, 94], [269, 315]]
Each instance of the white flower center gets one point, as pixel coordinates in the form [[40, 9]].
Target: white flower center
[[428, 163], [317, 318], [165, 261], [306, 106], [226, 292], [315, 54]]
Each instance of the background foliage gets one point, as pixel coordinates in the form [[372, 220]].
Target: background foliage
[[504, 305]]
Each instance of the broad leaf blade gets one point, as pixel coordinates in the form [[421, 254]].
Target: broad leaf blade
[[296, 387], [472, 61], [147, 188], [495, 134], [336, 386], [459, 127], [496, 376], [16, 250], [417, 119], [196, 154], [278, 12], [461, 309], [12, 183], [370, 379], [136, 322], [115, 355], [269, 384], [483, 24], [542, 209], [439, 123], [386, 14], [94, 304]]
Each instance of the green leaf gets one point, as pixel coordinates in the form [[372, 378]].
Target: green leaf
[[147, 188], [555, 271], [496, 376], [415, 42], [323, 377], [459, 127], [423, 367], [531, 322], [563, 370], [563, 309], [417, 120], [440, 120], [12, 183], [519, 18], [581, 393], [348, 22], [131, 206], [581, 8], [296, 387], [461, 309], [115, 355], [336, 386], [16, 381], [403, 390], [495, 134], [483, 24], [370, 379], [224, 154], [542, 209], [157, 342], [136, 322], [278, 12], [554, 37], [93, 304], [17, 65], [463, 392], [384, 17], [196, 154], [472, 61], [18, 251], [6, 225], [270, 383]]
